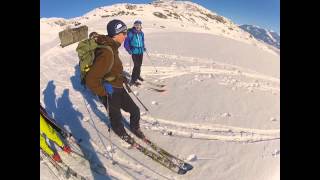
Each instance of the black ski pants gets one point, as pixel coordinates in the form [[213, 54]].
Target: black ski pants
[[137, 62], [120, 99]]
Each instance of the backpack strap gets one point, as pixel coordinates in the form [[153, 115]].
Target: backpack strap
[[131, 30]]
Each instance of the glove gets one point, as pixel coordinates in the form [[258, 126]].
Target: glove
[[108, 88], [66, 149], [56, 157]]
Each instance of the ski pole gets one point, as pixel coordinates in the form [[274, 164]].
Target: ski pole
[[130, 91], [130, 68], [151, 61], [93, 123], [109, 130]]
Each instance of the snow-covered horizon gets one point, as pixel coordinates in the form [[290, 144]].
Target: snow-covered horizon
[[220, 111]]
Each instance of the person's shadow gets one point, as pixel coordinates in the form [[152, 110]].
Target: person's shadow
[[66, 115], [88, 96], [50, 98]]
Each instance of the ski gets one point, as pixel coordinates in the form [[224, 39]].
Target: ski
[[63, 132], [159, 159], [183, 165], [128, 76], [155, 89], [98, 168], [53, 123]]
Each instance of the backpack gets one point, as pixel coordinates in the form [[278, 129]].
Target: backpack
[[86, 53]]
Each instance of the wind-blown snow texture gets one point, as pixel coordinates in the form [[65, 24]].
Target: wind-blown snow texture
[[221, 105]]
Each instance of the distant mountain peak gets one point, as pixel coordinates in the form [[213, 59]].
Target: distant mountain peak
[[267, 36]]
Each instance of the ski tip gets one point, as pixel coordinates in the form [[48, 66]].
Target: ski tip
[[182, 171], [187, 166]]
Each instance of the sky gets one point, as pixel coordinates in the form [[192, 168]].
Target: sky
[[262, 13]]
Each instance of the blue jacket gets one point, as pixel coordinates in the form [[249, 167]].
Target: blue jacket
[[134, 43]]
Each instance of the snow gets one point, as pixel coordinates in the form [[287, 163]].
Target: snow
[[273, 119], [86, 119], [136, 93], [226, 115], [142, 113], [276, 153], [191, 157], [228, 118], [154, 102], [110, 149]]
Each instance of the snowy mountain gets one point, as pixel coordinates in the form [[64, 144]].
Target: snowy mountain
[[269, 37], [220, 111], [162, 15]]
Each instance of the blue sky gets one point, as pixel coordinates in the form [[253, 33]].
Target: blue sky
[[263, 13]]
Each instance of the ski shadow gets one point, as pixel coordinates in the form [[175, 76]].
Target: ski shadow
[[67, 116]]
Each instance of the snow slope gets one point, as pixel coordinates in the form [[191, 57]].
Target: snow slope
[[222, 99]]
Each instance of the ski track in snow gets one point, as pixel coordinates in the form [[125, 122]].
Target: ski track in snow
[[225, 133], [208, 131], [229, 74]]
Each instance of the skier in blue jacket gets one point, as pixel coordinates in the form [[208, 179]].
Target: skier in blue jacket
[[134, 44]]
